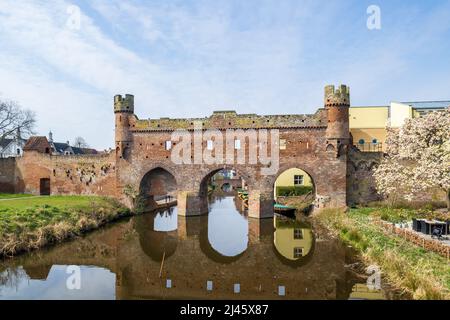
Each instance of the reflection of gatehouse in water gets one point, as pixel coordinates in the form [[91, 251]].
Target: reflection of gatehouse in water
[[224, 247]]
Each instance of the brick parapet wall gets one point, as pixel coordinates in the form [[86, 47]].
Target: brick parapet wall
[[87, 174], [414, 237]]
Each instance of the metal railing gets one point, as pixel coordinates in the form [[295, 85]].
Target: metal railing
[[370, 147]]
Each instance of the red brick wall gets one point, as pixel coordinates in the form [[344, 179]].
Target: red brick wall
[[7, 175], [68, 174]]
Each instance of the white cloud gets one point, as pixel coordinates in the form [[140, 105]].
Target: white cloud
[[185, 60]]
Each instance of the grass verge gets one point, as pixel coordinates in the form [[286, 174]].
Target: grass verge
[[32, 223], [420, 273], [14, 195]]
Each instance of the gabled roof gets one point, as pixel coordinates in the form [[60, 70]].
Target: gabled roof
[[5, 142], [60, 147], [37, 143]]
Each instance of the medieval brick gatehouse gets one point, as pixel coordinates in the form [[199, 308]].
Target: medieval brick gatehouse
[[144, 150]]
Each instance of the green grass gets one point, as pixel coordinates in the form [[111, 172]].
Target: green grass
[[420, 273], [397, 215], [31, 223], [14, 195], [56, 201]]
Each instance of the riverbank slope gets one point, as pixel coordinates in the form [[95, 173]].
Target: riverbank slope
[[421, 274], [31, 223]]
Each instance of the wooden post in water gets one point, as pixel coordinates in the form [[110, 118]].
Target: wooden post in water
[[162, 264]]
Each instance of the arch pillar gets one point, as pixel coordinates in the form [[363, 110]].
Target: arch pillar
[[191, 203], [259, 229], [189, 227], [260, 204]]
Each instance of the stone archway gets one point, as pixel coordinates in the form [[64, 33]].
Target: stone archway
[[296, 187], [157, 187]]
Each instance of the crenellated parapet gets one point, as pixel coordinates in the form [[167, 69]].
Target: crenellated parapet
[[222, 120], [337, 97], [124, 104], [337, 104]]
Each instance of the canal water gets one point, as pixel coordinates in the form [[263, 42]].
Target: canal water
[[222, 255]]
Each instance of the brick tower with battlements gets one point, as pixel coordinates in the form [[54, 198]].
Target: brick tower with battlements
[[337, 104], [124, 111]]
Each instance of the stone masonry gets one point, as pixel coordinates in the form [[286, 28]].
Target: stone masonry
[[142, 160]]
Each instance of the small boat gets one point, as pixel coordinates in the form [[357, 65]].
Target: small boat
[[243, 195], [285, 210]]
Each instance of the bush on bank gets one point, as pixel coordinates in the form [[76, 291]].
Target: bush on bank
[[420, 273], [293, 191], [27, 224]]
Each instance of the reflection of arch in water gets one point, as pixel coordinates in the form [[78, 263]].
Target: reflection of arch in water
[[291, 235], [226, 211], [209, 251], [156, 244]]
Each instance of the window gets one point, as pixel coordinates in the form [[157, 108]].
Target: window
[[18, 151], [237, 144], [298, 180], [282, 144], [361, 141], [209, 145], [374, 141], [298, 234], [168, 145], [298, 253]]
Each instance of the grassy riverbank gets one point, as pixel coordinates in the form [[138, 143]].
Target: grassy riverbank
[[31, 223], [420, 273]]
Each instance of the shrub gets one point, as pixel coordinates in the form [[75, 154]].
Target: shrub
[[293, 191]]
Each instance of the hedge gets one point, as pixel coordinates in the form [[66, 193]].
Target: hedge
[[293, 191]]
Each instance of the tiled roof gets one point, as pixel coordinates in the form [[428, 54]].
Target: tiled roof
[[84, 151], [60, 146], [37, 143], [89, 151], [5, 142]]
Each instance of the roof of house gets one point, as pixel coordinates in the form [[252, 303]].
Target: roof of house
[[77, 150], [88, 151], [37, 143], [60, 147], [5, 142]]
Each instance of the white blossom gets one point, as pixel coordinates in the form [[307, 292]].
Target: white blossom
[[418, 157]]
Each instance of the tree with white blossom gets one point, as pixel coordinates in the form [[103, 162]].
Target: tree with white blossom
[[418, 158]]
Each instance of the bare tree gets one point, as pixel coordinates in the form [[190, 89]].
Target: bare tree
[[13, 118], [80, 143]]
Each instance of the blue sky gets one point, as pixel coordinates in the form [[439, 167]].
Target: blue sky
[[188, 58]]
